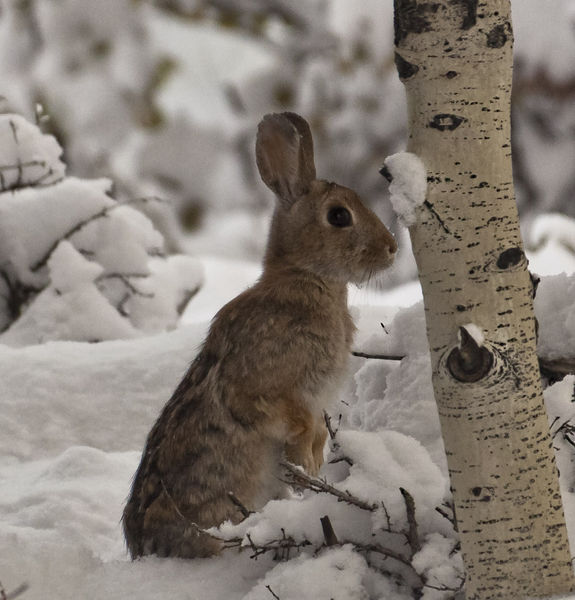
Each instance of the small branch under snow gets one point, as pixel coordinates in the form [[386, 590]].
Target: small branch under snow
[[408, 184], [80, 225]]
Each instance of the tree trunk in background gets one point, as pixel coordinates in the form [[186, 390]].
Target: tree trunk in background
[[455, 59]]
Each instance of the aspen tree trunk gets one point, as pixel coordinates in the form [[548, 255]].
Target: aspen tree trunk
[[455, 59]]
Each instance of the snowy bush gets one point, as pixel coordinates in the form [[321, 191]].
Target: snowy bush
[[74, 263]]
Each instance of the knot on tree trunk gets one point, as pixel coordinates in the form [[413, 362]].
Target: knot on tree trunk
[[469, 362]]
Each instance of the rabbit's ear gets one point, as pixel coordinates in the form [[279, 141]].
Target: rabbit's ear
[[284, 155]]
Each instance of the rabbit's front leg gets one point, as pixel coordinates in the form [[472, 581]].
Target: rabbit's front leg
[[301, 434], [320, 436]]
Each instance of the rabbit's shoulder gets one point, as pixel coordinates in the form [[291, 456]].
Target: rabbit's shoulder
[[285, 332]]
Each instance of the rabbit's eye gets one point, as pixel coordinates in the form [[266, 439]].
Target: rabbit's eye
[[338, 216]]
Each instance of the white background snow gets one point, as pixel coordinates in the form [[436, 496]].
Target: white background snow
[[74, 415]]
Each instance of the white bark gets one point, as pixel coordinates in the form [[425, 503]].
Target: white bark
[[455, 59]]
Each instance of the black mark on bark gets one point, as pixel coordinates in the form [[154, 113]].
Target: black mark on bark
[[444, 122], [441, 222], [451, 74], [470, 12], [405, 69], [498, 36], [509, 258], [411, 17]]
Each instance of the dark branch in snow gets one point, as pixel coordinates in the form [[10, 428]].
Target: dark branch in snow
[[20, 183], [81, 224], [269, 589], [378, 356]]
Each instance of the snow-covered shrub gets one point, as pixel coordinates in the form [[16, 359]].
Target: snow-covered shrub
[[74, 263]]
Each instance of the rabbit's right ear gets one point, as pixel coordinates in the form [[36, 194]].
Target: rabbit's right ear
[[284, 155]]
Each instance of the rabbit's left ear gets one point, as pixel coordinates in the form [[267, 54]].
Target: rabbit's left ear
[[284, 155]]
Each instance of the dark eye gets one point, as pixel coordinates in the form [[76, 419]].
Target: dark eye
[[338, 216]]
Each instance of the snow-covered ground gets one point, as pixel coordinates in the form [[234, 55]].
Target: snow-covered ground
[[74, 417]]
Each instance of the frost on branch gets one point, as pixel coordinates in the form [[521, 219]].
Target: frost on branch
[[74, 263], [408, 184]]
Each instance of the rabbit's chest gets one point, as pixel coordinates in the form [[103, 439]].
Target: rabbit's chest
[[327, 364]]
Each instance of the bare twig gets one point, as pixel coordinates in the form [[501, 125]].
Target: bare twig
[[331, 431], [296, 476], [281, 548], [269, 589], [238, 504], [378, 356]]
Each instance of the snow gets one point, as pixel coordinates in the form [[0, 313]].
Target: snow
[[475, 332], [408, 185], [27, 156], [74, 420], [74, 415]]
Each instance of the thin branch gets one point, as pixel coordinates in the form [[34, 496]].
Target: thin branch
[[239, 505], [331, 431], [297, 477], [272, 592], [379, 356]]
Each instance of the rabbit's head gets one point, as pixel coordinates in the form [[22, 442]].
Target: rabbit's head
[[318, 226]]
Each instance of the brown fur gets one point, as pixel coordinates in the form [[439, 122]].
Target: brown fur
[[271, 360]]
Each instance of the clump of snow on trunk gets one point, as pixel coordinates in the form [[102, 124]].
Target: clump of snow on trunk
[[408, 184]]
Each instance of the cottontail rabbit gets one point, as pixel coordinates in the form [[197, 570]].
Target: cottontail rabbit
[[270, 364]]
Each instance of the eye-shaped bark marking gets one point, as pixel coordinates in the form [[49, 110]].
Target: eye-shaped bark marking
[[509, 258], [445, 122]]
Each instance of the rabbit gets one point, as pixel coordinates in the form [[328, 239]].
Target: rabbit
[[269, 366]]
